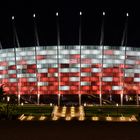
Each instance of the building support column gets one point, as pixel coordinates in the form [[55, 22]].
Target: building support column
[[59, 96], [121, 99], [18, 99], [137, 99], [80, 101], [100, 99], [38, 99]]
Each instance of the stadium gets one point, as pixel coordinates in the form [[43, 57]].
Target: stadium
[[61, 70], [75, 74]]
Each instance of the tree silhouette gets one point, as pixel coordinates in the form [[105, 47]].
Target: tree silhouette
[[1, 92]]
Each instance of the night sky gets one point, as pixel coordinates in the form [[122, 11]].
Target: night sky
[[69, 24]]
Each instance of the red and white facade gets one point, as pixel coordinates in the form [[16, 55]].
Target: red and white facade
[[70, 70]]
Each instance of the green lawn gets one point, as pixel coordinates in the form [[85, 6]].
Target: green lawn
[[112, 110], [89, 110], [35, 110]]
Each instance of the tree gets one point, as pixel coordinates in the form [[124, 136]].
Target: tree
[[1, 92]]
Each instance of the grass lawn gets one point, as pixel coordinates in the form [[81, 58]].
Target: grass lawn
[[89, 110]]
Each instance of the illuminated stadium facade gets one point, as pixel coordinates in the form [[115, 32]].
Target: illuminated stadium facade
[[91, 70], [108, 74]]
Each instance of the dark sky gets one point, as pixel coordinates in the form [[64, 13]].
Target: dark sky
[[69, 23]]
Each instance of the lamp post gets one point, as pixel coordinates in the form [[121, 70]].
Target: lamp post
[[58, 47], [80, 40], [35, 30], [102, 44]]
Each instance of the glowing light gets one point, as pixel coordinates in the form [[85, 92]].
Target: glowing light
[[80, 13], [133, 118], [21, 117], [42, 118], [72, 111], [29, 118], [34, 15], [56, 13], [63, 113], [68, 118], [95, 118], [103, 13], [127, 14], [55, 118], [81, 118], [85, 104], [13, 17], [109, 118], [122, 118], [8, 99]]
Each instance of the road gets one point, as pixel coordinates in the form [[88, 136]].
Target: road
[[72, 130]]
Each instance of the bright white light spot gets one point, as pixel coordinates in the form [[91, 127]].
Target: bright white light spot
[[95, 118], [21, 117], [8, 99], [81, 118], [68, 118], [56, 13], [103, 13], [42, 118], [127, 14], [34, 15], [13, 17], [109, 118], [85, 104], [29, 118], [55, 118], [80, 13]]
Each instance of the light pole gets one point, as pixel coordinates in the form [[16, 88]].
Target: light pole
[[16, 43], [35, 30], [58, 44], [15, 35], [102, 44], [124, 44], [80, 33]]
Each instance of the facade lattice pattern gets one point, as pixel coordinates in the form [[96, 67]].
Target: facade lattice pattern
[[70, 70]]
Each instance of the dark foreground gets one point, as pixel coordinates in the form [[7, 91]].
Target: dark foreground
[[72, 130]]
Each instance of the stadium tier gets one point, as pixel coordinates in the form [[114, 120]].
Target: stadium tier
[[70, 70]]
